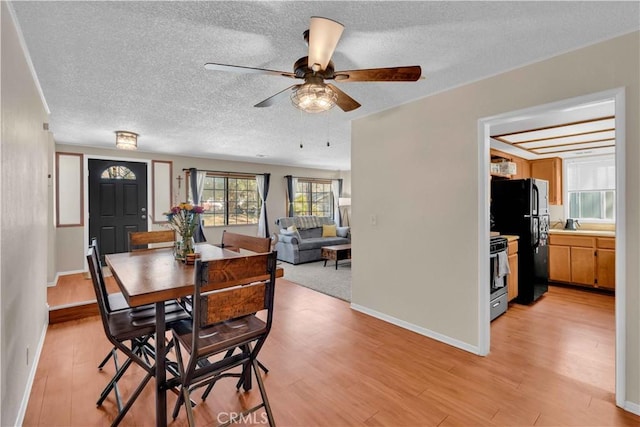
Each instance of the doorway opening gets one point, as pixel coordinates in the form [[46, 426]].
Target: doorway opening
[[490, 126]]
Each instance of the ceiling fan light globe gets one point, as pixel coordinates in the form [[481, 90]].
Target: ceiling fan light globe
[[314, 97]]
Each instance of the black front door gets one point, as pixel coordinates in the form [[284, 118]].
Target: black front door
[[117, 202]]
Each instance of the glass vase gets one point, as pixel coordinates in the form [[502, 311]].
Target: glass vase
[[188, 246]]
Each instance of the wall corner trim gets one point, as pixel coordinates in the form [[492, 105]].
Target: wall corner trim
[[418, 329]]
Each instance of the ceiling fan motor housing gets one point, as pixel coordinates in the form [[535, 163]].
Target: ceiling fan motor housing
[[302, 70]]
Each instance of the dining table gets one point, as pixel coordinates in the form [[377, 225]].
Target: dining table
[[154, 276]]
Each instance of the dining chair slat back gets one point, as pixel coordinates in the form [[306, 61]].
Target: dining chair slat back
[[142, 239], [250, 243]]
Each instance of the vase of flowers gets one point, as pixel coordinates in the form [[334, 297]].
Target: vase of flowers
[[184, 218]]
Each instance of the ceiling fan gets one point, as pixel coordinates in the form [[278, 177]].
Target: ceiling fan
[[314, 95]]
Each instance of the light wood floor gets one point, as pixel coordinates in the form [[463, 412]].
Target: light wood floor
[[550, 364]]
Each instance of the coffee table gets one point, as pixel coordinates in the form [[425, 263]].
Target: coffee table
[[336, 252]]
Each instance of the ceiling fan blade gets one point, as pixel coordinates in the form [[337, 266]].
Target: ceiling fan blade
[[345, 102], [246, 70], [272, 99], [391, 74], [324, 35]]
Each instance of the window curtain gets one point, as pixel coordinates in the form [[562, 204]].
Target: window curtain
[[197, 184], [262, 182], [292, 184], [336, 189]]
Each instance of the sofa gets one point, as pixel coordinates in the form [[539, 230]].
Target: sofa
[[300, 238]]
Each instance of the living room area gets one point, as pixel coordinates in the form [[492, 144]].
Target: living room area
[[227, 207]]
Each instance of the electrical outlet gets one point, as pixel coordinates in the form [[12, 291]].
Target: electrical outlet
[[373, 219]]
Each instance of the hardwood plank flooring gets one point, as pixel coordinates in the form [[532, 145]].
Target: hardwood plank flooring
[[73, 297], [551, 363]]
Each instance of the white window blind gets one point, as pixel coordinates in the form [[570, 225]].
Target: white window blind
[[590, 184], [593, 173]]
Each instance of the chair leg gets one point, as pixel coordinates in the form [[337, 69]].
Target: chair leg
[[263, 393], [132, 399], [187, 398], [106, 359], [261, 366], [113, 384], [137, 346], [179, 400], [265, 401]]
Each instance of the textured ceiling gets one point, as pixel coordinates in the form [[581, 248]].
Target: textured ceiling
[[138, 66]]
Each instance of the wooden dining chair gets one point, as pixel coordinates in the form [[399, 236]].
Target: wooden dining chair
[[235, 241], [142, 239], [228, 294], [128, 334], [115, 301]]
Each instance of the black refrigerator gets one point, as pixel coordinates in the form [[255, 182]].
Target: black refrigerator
[[521, 207]]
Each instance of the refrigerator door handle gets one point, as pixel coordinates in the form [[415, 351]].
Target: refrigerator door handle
[[536, 230], [536, 200]]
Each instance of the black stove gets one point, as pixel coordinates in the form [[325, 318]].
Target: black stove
[[498, 244], [497, 284]]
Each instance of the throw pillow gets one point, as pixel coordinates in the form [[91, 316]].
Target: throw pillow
[[342, 231], [292, 228], [328, 230]]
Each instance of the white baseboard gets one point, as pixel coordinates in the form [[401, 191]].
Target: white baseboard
[[32, 374], [55, 281], [632, 407], [418, 329], [63, 273]]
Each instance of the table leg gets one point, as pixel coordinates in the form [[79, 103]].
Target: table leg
[[325, 262], [161, 373], [337, 262]]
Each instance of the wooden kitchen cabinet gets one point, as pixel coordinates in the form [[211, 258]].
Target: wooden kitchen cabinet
[[523, 169], [583, 266], [512, 278], [606, 262], [560, 263], [549, 170], [582, 260]]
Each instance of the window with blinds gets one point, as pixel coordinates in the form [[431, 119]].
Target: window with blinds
[[591, 188]]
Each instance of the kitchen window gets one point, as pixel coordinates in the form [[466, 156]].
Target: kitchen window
[[591, 188], [230, 200], [313, 197]]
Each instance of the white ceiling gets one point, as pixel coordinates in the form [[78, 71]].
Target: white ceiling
[[138, 66]]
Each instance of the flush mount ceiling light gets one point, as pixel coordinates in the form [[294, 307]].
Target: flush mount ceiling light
[[314, 96], [126, 140]]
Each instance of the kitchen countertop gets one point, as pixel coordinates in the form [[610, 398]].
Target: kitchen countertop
[[510, 237], [594, 233]]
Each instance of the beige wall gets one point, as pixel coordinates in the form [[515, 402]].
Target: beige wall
[[415, 167], [71, 238], [23, 221]]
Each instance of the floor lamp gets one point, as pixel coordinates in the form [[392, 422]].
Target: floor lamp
[[344, 203]]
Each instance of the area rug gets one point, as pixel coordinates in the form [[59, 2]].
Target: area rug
[[328, 280]]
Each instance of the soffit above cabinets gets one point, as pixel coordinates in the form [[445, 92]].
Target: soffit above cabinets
[[557, 140]]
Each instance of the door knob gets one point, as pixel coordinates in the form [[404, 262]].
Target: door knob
[[143, 216], [143, 209]]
